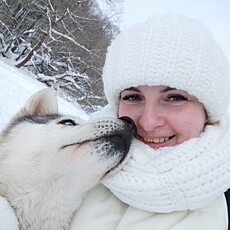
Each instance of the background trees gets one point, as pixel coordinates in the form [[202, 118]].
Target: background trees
[[63, 42]]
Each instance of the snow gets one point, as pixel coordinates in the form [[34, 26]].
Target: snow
[[17, 86]]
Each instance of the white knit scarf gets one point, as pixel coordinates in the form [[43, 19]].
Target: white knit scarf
[[184, 177]]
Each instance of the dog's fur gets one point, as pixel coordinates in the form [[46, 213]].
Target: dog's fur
[[49, 161]]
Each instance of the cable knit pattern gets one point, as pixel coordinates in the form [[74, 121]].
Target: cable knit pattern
[[170, 51], [184, 177]]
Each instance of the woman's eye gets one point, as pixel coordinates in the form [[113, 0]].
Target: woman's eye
[[67, 122], [132, 97], [177, 97]]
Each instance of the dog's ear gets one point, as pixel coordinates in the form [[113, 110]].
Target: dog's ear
[[41, 103]]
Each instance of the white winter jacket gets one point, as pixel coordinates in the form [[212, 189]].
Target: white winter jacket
[[102, 210]]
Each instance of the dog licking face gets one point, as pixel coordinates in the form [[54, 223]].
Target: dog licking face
[[49, 161]]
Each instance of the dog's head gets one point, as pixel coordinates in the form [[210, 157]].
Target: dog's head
[[40, 146]]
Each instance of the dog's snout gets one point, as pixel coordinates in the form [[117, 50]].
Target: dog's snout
[[129, 121]]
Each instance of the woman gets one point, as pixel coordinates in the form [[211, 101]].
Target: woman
[[168, 75]]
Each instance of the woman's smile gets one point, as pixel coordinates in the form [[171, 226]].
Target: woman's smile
[[157, 142]]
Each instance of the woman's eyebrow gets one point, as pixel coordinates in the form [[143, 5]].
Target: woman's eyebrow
[[132, 89], [166, 89]]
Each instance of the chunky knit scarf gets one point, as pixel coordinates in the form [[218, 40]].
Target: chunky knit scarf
[[183, 177]]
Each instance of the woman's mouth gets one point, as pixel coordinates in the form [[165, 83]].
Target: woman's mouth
[[157, 142]]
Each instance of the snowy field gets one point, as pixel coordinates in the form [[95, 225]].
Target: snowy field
[[16, 86]]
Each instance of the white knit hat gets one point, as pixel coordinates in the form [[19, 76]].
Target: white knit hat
[[171, 51]]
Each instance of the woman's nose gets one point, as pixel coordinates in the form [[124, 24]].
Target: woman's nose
[[151, 117]]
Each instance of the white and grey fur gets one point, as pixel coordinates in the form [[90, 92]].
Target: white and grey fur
[[49, 161]]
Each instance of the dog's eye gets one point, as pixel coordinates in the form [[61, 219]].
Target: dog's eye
[[67, 122]]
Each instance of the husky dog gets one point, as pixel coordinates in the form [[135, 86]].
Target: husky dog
[[49, 161]]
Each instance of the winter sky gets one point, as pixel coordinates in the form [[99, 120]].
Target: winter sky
[[212, 13]]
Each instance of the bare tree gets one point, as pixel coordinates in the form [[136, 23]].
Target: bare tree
[[63, 42]]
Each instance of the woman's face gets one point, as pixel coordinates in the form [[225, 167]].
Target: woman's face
[[164, 116]]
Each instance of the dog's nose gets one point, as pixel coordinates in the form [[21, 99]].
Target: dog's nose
[[130, 122]]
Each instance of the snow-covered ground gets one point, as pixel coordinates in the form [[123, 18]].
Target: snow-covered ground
[[16, 86]]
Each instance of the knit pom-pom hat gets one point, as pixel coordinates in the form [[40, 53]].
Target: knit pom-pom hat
[[172, 51]]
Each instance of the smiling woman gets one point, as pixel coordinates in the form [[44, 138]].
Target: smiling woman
[[172, 79]]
